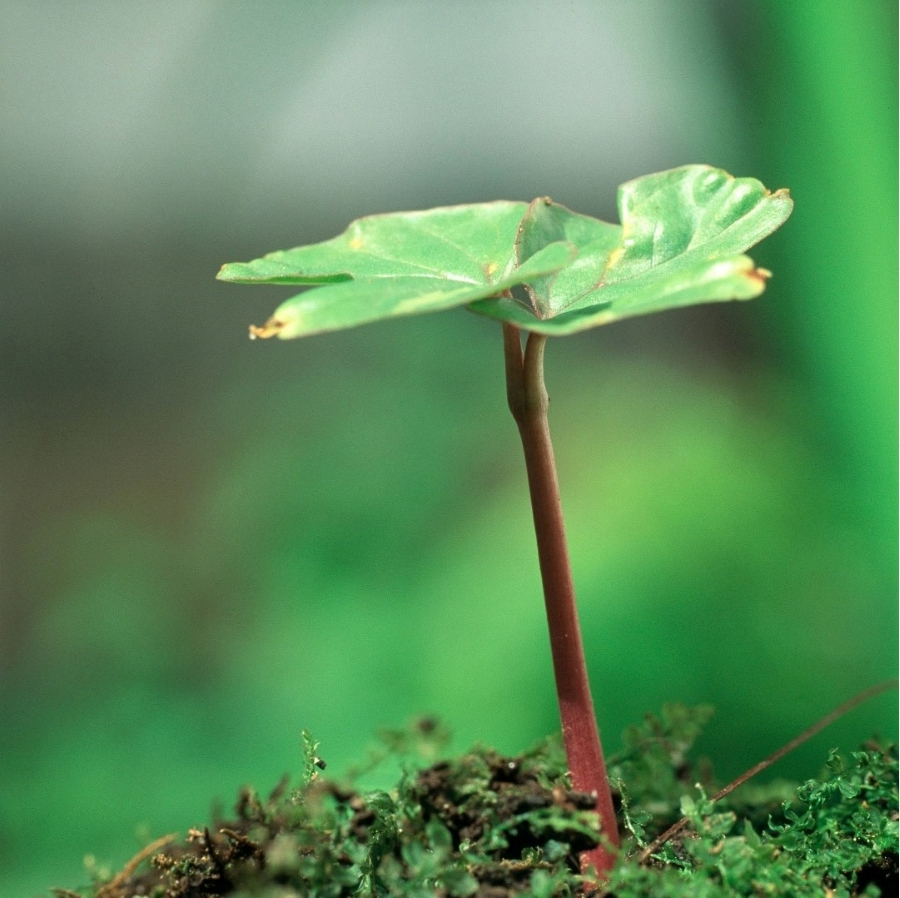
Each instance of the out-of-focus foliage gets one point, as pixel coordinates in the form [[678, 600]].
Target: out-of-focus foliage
[[211, 544]]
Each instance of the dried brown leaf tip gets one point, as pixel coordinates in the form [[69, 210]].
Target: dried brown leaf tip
[[269, 329], [759, 275]]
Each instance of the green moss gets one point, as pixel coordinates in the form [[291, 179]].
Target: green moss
[[490, 826]]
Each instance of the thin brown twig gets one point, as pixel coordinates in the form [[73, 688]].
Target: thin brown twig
[[108, 890], [817, 727], [240, 839]]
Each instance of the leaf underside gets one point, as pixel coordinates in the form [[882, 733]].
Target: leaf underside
[[681, 242]]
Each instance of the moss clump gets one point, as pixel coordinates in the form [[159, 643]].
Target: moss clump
[[490, 826]]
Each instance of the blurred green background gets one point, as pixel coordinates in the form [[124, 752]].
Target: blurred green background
[[210, 544]]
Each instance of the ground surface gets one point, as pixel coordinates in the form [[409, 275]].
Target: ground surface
[[490, 826]]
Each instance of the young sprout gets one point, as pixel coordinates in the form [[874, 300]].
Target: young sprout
[[681, 242]]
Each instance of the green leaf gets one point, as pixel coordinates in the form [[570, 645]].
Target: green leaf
[[399, 264], [681, 241]]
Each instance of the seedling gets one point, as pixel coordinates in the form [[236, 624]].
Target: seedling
[[540, 268]]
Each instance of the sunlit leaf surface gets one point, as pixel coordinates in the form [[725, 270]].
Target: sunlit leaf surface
[[399, 264], [681, 242]]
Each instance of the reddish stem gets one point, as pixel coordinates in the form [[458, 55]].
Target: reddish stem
[[528, 403]]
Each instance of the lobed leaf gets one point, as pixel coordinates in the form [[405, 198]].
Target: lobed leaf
[[681, 242]]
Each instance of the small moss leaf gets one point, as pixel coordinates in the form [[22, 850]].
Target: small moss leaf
[[458, 882], [681, 241]]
